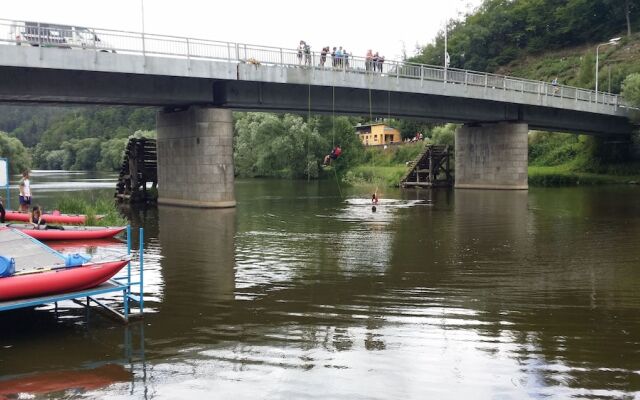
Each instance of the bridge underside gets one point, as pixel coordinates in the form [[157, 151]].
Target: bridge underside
[[195, 130], [38, 85]]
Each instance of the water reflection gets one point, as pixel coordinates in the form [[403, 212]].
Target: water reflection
[[60, 381], [198, 245], [37, 358]]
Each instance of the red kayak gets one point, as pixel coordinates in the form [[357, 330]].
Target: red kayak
[[58, 281], [48, 217], [69, 232]]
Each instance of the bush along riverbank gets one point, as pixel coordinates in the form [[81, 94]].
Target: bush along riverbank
[[555, 159], [383, 167], [105, 207], [559, 159]]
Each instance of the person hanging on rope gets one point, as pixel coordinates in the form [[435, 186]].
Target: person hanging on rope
[[335, 153], [374, 198]]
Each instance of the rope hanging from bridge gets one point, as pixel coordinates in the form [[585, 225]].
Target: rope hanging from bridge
[[375, 179], [309, 128], [333, 131]]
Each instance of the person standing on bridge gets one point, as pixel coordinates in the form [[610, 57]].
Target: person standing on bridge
[[300, 50], [369, 60], [333, 57], [554, 83], [323, 55], [380, 61], [307, 55]]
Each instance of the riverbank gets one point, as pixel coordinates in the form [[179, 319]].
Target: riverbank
[[105, 207], [561, 176], [386, 167], [383, 167]]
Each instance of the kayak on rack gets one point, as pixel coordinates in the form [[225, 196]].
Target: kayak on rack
[[72, 232], [48, 217], [57, 280], [87, 246]]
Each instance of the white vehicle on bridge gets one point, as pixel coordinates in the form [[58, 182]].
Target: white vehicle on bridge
[[62, 36]]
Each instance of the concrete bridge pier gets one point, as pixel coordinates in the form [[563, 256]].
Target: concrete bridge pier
[[195, 157], [492, 156]]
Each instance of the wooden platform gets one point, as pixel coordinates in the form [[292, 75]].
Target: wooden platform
[[139, 167], [431, 168]]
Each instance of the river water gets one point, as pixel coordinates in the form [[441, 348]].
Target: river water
[[300, 293]]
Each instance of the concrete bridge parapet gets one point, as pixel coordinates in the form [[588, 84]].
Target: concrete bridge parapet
[[195, 157], [492, 156]]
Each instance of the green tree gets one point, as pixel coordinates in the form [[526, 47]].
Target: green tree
[[586, 75], [445, 134], [289, 146], [501, 30], [631, 89], [13, 149], [55, 159]]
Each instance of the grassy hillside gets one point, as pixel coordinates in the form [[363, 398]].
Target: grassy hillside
[[575, 66]]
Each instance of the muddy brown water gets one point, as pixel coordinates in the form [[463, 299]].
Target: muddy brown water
[[299, 293]]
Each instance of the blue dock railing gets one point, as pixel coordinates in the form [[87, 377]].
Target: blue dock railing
[[122, 284]]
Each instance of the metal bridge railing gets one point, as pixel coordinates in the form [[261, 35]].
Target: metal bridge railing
[[106, 40]]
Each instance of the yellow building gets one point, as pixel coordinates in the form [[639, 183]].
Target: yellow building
[[378, 134]]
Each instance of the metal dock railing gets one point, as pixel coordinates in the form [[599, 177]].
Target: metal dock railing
[[123, 284]]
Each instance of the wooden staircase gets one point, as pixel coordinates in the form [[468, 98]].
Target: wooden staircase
[[431, 168], [139, 167]]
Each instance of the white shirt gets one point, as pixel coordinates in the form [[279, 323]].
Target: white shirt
[[26, 188]]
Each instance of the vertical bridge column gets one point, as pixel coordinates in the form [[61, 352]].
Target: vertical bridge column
[[492, 156], [195, 158]]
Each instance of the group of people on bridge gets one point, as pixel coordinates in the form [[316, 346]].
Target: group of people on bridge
[[339, 57], [373, 62]]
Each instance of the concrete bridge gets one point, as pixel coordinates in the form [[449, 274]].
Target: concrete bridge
[[198, 82]]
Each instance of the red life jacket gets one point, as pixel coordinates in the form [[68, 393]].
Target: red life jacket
[[337, 151]]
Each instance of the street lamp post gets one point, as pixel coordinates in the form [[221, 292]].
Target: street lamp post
[[142, 18], [612, 42]]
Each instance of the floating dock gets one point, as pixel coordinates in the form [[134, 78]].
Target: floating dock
[[31, 256]]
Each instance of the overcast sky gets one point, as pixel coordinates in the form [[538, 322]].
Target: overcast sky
[[383, 26]]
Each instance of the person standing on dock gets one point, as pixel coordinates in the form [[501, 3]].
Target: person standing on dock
[[2, 211], [25, 192]]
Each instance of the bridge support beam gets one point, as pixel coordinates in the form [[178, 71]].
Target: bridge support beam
[[492, 156], [195, 157]]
